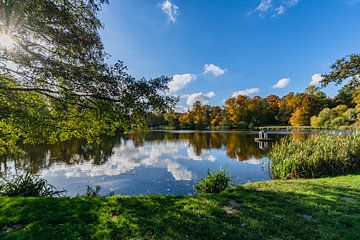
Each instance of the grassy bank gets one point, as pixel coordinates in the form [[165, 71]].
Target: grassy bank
[[326, 208]]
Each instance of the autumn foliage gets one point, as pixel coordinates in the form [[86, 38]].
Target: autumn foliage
[[242, 112]]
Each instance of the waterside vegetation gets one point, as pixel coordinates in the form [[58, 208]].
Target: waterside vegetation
[[318, 155], [27, 185], [214, 182]]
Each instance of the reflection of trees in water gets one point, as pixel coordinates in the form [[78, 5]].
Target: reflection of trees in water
[[263, 145], [298, 136], [240, 146], [237, 145], [70, 152]]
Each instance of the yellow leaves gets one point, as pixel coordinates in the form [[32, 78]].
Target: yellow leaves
[[314, 122], [340, 108], [300, 117], [356, 99]]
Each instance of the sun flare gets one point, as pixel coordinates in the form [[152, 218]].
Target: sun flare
[[6, 40]]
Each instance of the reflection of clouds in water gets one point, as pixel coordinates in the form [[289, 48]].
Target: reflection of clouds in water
[[253, 160], [155, 153], [127, 157], [179, 172], [205, 155]]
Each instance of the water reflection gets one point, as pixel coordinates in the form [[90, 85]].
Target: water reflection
[[238, 145], [126, 157], [263, 145], [158, 162]]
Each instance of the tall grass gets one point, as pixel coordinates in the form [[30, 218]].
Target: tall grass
[[27, 185], [317, 156]]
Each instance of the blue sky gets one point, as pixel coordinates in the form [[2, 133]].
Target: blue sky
[[216, 48]]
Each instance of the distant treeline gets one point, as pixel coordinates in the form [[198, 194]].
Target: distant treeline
[[310, 108]]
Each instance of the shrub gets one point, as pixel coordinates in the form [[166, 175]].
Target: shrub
[[215, 182], [28, 186], [317, 156]]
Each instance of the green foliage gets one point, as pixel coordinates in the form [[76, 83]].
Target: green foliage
[[344, 68], [356, 100], [27, 186], [26, 118], [317, 156], [214, 182], [59, 86], [9, 147], [155, 119], [345, 95], [335, 118]]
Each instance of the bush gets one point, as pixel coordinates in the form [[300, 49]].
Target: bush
[[28, 186], [317, 156], [215, 182]]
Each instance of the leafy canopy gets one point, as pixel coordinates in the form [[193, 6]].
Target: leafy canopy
[[54, 66], [58, 52]]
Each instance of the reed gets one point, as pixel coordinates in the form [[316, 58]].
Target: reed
[[316, 156]]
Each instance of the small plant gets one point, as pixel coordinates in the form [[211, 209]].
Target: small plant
[[27, 186], [91, 192], [215, 182]]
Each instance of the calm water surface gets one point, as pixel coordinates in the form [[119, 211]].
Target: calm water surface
[[161, 162]]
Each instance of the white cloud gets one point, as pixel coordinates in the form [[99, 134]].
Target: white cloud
[[279, 10], [264, 6], [201, 97], [216, 70], [282, 83], [170, 10], [274, 7], [246, 92], [316, 79], [180, 81]]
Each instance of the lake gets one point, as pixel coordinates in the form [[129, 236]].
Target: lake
[[160, 162]]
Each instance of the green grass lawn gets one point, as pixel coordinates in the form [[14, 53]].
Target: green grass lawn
[[327, 208]]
